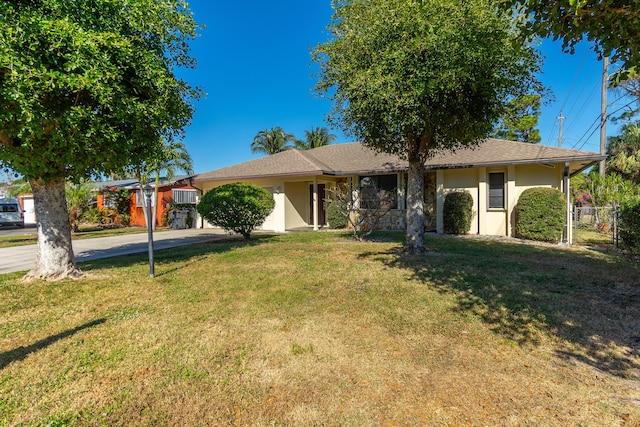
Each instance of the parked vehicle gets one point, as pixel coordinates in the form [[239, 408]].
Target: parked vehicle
[[11, 213]]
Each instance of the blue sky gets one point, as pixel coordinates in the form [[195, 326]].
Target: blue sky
[[255, 68]]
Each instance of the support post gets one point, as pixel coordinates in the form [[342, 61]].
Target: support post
[[315, 204], [148, 192]]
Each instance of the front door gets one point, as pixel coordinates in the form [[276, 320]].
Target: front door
[[321, 212]]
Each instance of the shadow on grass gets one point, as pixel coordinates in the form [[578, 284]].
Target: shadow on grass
[[21, 353], [526, 292], [188, 254]]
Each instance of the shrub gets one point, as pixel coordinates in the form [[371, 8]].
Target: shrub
[[541, 215], [239, 207], [457, 212], [629, 226], [336, 214]]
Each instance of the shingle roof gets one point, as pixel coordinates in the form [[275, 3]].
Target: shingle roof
[[357, 159], [133, 183]]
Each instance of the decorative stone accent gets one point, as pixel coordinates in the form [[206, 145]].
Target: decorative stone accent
[[394, 220]]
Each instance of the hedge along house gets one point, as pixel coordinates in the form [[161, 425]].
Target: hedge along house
[[175, 191], [495, 173]]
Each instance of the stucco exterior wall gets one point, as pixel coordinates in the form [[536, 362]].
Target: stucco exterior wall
[[276, 220], [460, 180], [296, 204], [293, 206]]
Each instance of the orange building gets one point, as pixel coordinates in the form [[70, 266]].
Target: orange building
[[171, 194]]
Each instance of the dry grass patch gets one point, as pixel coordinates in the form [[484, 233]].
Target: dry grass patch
[[314, 329]]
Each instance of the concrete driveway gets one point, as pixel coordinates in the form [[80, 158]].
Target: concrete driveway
[[22, 258]]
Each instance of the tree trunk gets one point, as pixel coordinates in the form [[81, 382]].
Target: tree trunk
[[415, 207], [54, 256]]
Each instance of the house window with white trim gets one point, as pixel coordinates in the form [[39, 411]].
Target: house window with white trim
[[496, 190]]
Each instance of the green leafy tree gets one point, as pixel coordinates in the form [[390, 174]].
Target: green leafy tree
[[613, 25], [79, 197], [238, 207], [171, 158], [414, 77], [19, 186], [520, 120], [85, 88], [272, 141], [610, 189], [314, 138], [623, 153]]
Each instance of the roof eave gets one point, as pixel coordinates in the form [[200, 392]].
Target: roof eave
[[263, 176]]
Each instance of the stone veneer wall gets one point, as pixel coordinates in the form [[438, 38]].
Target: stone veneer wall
[[396, 220]]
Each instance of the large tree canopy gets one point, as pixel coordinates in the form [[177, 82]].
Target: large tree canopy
[[415, 77], [520, 120], [87, 87], [613, 25]]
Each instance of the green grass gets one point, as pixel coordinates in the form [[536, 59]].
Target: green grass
[[591, 237], [316, 329]]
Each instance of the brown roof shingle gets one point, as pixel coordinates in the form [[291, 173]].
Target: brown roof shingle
[[357, 159]]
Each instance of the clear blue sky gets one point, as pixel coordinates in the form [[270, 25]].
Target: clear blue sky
[[255, 68]]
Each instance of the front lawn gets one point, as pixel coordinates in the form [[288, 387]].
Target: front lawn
[[316, 329]]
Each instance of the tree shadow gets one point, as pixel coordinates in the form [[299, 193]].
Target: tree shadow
[[22, 352], [524, 293]]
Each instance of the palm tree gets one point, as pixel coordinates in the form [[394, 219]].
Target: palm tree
[[316, 137], [272, 141], [171, 158], [624, 153]]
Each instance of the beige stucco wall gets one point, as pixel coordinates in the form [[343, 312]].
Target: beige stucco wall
[[296, 204], [276, 220], [459, 180], [475, 180], [293, 197]]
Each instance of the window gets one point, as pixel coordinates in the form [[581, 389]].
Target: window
[[182, 197], [496, 190], [107, 201], [140, 196], [385, 185], [9, 208]]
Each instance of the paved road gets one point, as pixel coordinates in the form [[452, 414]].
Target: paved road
[[21, 258]]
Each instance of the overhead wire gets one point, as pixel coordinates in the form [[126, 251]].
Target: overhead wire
[[597, 120], [575, 78]]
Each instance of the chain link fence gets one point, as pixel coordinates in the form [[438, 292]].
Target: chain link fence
[[595, 225]]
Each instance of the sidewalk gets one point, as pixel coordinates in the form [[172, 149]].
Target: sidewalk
[[22, 258]]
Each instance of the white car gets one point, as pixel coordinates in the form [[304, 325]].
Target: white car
[[11, 213]]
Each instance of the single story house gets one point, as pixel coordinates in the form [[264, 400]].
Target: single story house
[[495, 172], [178, 190]]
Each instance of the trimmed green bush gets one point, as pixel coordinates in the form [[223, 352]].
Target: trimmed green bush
[[541, 215], [239, 207], [629, 226], [335, 214], [457, 212]]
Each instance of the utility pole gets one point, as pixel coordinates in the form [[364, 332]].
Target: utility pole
[[560, 118], [603, 113]]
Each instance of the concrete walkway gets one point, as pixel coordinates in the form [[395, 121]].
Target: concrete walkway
[[22, 258]]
